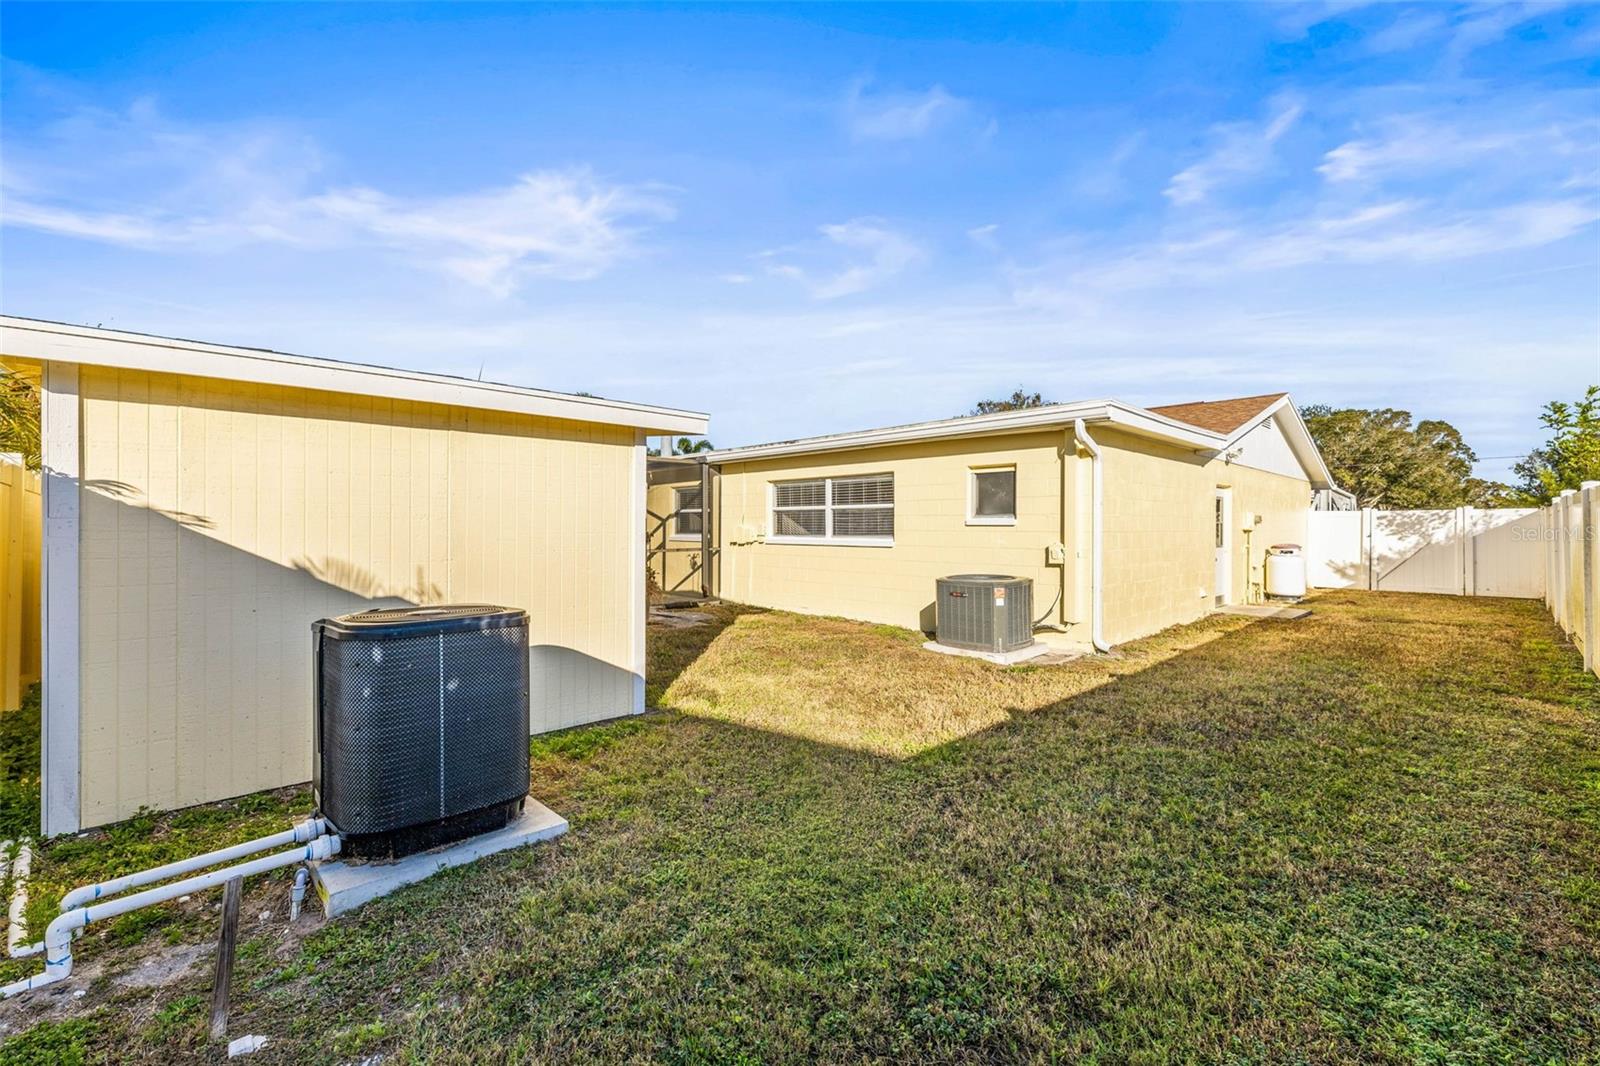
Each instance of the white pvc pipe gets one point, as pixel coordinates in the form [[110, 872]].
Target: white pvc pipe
[[296, 897], [58, 938], [1097, 524], [304, 832], [17, 928]]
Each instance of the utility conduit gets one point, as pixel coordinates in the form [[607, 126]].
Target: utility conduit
[[303, 833], [17, 930], [58, 938], [1097, 524]]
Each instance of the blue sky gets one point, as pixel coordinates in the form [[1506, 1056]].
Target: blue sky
[[810, 219]]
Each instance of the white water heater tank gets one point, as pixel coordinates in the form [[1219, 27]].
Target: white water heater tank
[[1286, 571]]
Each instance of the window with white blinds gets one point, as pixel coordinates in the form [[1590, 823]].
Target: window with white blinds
[[687, 513], [856, 510]]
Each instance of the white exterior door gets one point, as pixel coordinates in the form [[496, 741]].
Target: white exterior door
[[1222, 519]]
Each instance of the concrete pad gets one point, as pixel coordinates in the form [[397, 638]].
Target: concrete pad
[[1284, 612], [999, 658], [344, 886]]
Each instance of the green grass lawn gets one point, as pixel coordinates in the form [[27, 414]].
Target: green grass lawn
[[1369, 836]]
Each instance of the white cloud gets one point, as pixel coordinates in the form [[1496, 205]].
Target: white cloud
[[551, 224], [1391, 232], [160, 185], [880, 254], [1407, 31], [984, 236], [897, 116], [1239, 149], [1102, 177], [1407, 145], [1484, 24]]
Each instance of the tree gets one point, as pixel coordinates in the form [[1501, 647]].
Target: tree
[[1572, 455], [1017, 401], [684, 446], [1387, 462], [19, 417]]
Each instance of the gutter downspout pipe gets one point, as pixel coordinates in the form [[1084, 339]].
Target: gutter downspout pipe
[[1097, 538], [58, 938]]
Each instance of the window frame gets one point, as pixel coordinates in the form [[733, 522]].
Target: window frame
[[976, 519], [828, 537], [678, 509]]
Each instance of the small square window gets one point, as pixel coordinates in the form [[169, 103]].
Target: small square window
[[993, 497], [688, 514]]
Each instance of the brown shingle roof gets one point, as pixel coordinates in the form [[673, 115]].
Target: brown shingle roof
[[1220, 416]]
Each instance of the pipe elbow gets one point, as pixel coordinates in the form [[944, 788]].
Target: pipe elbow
[[59, 932], [78, 897]]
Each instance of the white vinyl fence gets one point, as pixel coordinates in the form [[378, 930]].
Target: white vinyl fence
[[1549, 553], [1462, 552], [1572, 567]]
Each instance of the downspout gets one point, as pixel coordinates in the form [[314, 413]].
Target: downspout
[[1096, 537]]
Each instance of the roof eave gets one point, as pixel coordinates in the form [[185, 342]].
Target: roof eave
[[58, 342], [1123, 416]]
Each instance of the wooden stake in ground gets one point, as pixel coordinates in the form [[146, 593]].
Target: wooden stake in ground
[[230, 936]]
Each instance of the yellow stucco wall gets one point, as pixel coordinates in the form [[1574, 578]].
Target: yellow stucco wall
[[1160, 561], [219, 519], [20, 523], [932, 539], [1159, 566], [675, 570]]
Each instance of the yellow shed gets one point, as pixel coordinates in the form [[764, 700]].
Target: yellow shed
[[1127, 519], [204, 504]]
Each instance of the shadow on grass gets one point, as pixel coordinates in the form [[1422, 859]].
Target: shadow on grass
[[1361, 837], [1345, 839], [673, 649]]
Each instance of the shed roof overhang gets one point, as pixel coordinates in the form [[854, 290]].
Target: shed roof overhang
[[33, 339]]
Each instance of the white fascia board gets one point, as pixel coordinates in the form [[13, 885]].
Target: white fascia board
[[1124, 416], [46, 341], [1299, 437]]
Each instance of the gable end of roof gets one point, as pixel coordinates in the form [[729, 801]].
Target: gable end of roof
[[1221, 416]]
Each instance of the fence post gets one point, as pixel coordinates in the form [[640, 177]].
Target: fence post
[[1547, 541], [1366, 547], [1587, 499], [1552, 555], [1557, 531], [1469, 561]]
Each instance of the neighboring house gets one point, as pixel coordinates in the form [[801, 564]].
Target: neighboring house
[[1186, 501], [205, 504]]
